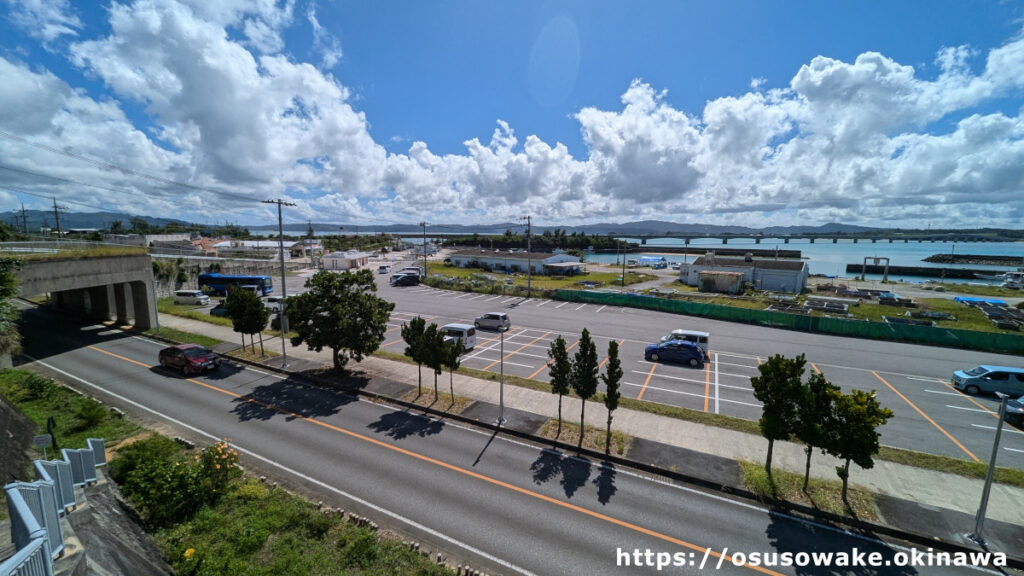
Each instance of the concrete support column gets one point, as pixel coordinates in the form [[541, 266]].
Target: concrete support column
[[757, 240], [785, 241], [144, 303], [99, 297], [121, 304]]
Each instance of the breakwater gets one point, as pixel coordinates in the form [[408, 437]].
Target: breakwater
[[701, 250], [976, 259], [923, 271]]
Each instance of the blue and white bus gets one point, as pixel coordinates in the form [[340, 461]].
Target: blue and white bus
[[221, 284]]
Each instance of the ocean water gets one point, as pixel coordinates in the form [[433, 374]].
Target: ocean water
[[826, 258]]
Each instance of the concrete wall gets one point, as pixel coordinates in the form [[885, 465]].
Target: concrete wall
[[195, 265]]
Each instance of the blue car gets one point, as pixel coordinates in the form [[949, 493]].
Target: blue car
[[679, 351]]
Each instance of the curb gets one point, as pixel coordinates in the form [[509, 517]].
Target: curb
[[773, 505]]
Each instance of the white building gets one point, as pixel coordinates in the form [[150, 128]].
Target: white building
[[505, 261], [773, 275], [253, 248], [348, 260]]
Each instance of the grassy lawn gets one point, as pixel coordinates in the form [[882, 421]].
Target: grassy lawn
[[593, 439], [442, 402], [966, 317], [251, 356], [538, 281], [976, 290], [825, 495], [167, 306], [180, 336], [75, 417], [84, 253]]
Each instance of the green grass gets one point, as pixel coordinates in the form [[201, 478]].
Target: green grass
[[976, 290], [967, 317], [594, 438], [966, 468], [539, 281], [167, 306], [84, 253], [175, 335], [825, 495], [260, 530], [76, 417]]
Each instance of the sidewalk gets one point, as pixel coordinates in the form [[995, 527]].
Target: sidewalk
[[915, 499]]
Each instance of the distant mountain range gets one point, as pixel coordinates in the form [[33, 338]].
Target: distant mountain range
[[44, 218]]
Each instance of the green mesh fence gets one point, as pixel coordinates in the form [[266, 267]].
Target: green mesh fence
[[953, 338]]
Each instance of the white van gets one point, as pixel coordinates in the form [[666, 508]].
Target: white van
[[191, 297], [702, 339], [465, 333]]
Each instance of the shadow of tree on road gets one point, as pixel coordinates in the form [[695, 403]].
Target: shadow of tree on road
[[605, 483], [401, 425], [573, 473], [291, 399]]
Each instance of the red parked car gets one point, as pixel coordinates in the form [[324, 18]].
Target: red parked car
[[189, 358]]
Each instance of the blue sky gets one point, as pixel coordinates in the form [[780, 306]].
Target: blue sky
[[751, 113]]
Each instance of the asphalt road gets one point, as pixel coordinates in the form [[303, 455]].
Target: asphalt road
[[911, 380], [505, 505]]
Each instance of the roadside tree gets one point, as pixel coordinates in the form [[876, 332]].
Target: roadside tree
[[433, 351], [815, 416], [248, 315], [452, 352], [560, 368], [412, 333], [10, 338], [340, 312], [611, 378], [855, 433], [778, 388], [583, 376]]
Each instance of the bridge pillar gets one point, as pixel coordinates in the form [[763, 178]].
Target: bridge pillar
[[144, 304], [812, 240], [757, 240], [725, 240], [785, 240], [120, 304], [835, 240], [874, 240], [686, 241], [906, 240], [99, 300], [854, 240], [890, 240]]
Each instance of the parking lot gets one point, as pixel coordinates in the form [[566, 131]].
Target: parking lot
[[929, 411]]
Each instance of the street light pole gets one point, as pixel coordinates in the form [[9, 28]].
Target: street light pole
[[284, 289], [424, 225], [624, 267], [979, 521]]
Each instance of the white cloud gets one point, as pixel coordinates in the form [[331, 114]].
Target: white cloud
[[45, 20], [228, 108]]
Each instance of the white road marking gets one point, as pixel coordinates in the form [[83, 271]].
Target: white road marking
[[1013, 450], [507, 363], [689, 394], [920, 379], [601, 308], [1006, 428], [464, 294], [543, 302], [716, 382], [494, 298], [562, 304], [681, 379], [944, 392], [580, 306], [968, 409], [310, 479], [480, 296]]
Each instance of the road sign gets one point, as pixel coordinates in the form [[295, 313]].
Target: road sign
[[42, 441]]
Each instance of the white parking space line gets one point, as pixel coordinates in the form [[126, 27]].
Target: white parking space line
[[507, 363], [543, 302], [1006, 428], [1013, 450], [717, 362], [920, 379], [464, 295], [681, 379], [680, 392], [562, 304], [943, 392], [478, 297], [968, 409], [580, 306], [495, 298], [601, 308]]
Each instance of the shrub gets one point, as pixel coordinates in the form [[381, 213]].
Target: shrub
[[90, 414]]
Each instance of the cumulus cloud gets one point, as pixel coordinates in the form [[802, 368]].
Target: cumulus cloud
[[226, 107]]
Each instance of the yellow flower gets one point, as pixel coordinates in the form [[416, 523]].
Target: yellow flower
[[218, 466], [190, 552]]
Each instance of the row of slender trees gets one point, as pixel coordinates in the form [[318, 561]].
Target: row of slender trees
[[817, 413], [428, 345], [580, 375]]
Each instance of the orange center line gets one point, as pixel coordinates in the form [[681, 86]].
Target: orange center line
[[548, 363], [524, 346], [647, 381], [975, 402], [926, 417], [470, 473]]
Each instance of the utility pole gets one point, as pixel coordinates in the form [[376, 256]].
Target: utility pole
[[284, 289], [56, 216], [24, 220], [424, 225], [624, 247], [979, 521]]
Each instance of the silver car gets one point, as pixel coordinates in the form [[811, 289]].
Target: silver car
[[493, 321]]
